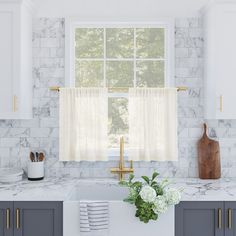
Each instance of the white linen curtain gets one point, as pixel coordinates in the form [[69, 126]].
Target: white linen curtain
[[83, 124], [153, 124]]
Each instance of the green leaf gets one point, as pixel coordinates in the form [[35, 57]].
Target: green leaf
[[164, 183], [144, 210], [131, 176], [136, 184], [123, 183], [154, 217], [154, 183], [146, 179], [139, 201], [129, 200], [154, 175]]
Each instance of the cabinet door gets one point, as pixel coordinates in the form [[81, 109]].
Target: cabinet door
[[226, 49], [6, 218], [230, 218], [9, 42], [38, 219], [199, 218], [15, 60], [220, 48]]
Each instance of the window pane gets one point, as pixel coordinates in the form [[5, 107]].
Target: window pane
[[89, 43], [150, 74], [118, 120], [150, 43], [89, 73], [120, 74], [120, 43]]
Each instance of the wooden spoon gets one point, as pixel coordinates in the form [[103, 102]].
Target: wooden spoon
[[32, 157], [41, 156]]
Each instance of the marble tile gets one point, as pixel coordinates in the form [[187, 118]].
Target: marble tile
[[181, 53], [39, 132], [17, 138], [9, 142]]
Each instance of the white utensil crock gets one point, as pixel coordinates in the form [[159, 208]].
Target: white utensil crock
[[35, 170]]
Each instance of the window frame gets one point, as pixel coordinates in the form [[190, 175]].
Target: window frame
[[72, 23]]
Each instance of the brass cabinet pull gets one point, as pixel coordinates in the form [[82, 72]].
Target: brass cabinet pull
[[17, 218], [14, 103], [219, 218], [230, 218], [8, 218], [221, 103]]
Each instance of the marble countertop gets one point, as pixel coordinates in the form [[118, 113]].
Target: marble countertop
[[59, 189], [207, 190], [49, 189]]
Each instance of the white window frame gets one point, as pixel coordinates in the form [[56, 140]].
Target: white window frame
[[72, 23]]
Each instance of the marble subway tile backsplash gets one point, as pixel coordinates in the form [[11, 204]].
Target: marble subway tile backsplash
[[19, 137]]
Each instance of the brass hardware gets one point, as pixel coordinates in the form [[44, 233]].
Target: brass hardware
[[55, 88], [121, 170], [230, 218], [118, 89], [181, 88], [17, 218], [14, 103], [8, 218], [221, 103], [121, 165], [219, 218]]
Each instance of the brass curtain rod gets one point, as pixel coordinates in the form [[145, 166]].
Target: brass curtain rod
[[179, 88]]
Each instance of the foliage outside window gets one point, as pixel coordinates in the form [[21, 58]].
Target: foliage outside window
[[119, 58]]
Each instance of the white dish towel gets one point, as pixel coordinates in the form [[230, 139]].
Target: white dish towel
[[94, 218]]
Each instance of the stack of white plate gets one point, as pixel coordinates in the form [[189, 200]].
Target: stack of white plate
[[8, 175]]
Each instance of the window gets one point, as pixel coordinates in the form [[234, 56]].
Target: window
[[120, 57]]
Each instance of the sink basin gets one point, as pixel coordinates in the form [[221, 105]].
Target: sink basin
[[99, 192], [121, 214]]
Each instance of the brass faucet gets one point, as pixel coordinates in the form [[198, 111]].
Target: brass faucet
[[121, 170]]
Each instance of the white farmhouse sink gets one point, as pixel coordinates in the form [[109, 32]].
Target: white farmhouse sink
[[99, 192], [122, 215]]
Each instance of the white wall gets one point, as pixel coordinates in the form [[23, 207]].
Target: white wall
[[120, 10]]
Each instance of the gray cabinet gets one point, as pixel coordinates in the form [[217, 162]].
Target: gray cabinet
[[199, 218], [205, 219], [230, 218], [6, 218], [31, 219]]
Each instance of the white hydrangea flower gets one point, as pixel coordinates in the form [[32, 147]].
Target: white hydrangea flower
[[160, 205], [172, 196], [148, 194]]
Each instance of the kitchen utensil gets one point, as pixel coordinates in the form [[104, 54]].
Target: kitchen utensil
[[41, 156], [32, 157], [208, 157], [37, 156]]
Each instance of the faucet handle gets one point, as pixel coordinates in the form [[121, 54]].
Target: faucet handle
[[131, 164]]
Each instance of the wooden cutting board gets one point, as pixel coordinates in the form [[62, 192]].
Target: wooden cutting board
[[208, 157]]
